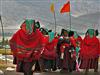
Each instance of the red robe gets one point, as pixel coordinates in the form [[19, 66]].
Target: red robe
[[73, 41], [62, 49], [89, 52], [79, 39], [66, 63], [99, 47], [50, 50], [23, 44], [89, 47]]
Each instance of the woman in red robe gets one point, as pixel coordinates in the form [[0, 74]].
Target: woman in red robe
[[65, 55], [89, 52], [73, 45], [49, 54], [24, 43]]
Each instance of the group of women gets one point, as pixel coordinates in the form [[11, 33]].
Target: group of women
[[33, 46]]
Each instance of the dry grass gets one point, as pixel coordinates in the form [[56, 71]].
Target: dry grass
[[7, 52], [99, 59], [4, 65]]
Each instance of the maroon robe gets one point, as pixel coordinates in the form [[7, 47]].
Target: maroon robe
[[89, 52], [23, 44], [50, 50]]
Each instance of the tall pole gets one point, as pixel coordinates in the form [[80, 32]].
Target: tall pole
[[70, 20], [55, 21], [52, 8], [3, 39], [2, 31]]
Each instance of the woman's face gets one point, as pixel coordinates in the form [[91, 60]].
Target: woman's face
[[23, 27], [65, 33]]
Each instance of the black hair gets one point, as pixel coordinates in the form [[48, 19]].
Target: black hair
[[49, 30], [43, 31], [37, 25], [62, 32], [71, 33], [96, 32]]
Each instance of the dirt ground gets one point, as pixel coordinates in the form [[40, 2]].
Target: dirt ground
[[54, 73], [91, 72]]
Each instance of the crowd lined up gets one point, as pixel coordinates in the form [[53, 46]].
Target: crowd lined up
[[48, 51]]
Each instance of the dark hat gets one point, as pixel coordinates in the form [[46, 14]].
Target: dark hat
[[96, 32], [37, 24], [71, 33], [44, 31], [49, 30], [63, 30]]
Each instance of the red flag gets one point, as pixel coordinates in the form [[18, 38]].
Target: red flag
[[65, 8]]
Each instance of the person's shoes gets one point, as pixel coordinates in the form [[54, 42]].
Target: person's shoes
[[87, 70], [10, 69], [63, 71], [95, 70], [49, 70], [70, 70], [1, 72], [45, 70], [77, 70], [54, 69]]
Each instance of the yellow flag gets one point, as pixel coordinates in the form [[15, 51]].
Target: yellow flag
[[52, 8]]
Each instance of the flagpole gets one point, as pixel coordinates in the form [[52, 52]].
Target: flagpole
[[2, 31], [66, 8], [3, 39], [55, 20], [70, 20], [70, 16], [52, 8]]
